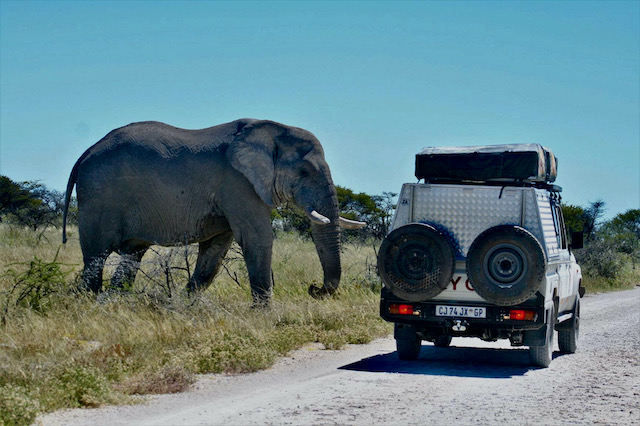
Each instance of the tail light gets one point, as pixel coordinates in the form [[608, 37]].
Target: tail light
[[398, 309], [522, 315]]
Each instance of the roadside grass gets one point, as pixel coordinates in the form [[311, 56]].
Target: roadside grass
[[61, 348], [609, 265], [628, 278]]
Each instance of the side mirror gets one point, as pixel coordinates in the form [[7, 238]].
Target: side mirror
[[577, 240]]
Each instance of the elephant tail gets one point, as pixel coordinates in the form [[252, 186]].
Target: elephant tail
[[72, 181]]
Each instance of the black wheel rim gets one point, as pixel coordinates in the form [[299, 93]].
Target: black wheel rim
[[505, 264]]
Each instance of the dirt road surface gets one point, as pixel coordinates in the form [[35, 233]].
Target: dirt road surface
[[472, 382]]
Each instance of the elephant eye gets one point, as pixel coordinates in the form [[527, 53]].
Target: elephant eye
[[303, 173]]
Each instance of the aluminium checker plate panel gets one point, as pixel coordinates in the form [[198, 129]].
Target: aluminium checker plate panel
[[548, 226], [465, 211]]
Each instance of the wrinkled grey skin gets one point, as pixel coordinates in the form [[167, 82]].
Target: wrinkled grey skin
[[150, 183]]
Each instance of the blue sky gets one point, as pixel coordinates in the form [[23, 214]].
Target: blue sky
[[374, 81]]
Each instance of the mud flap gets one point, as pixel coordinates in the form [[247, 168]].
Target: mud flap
[[404, 331], [535, 337]]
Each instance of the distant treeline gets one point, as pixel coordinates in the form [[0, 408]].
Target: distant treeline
[[32, 204]]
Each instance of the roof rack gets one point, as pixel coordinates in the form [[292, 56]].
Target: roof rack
[[496, 182]]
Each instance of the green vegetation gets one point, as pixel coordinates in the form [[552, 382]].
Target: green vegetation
[[611, 254], [375, 210], [31, 204]]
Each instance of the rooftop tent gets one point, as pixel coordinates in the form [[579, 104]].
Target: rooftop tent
[[516, 162]]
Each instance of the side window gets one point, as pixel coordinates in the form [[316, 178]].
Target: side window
[[558, 223], [563, 229]]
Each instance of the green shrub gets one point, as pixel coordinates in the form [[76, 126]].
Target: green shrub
[[233, 354], [31, 287], [17, 406], [75, 386], [601, 258]]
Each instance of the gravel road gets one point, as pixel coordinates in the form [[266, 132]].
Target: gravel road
[[472, 382]]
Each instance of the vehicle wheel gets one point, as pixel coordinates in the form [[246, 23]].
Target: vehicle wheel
[[506, 265], [442, 342], [541, 356], [568, 338], [408, 343], [416, 262]]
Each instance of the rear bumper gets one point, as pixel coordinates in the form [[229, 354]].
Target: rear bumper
[[496, 324]]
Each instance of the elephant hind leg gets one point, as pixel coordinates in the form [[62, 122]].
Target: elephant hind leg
[[129, 265], [92, 272], [96, 247], [210, 256]]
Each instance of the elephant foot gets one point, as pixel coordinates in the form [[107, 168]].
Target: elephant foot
[[320, 292], [194, 287], [84, 287], [90, 283], [261, 302]]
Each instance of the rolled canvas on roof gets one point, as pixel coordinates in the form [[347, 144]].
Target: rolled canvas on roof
[[521, 162]]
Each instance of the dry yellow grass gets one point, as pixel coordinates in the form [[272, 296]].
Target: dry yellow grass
[[68, 349]]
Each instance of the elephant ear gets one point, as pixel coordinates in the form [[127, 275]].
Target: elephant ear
[[252, 153]]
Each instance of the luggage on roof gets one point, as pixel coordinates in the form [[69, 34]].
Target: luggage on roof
[[517, 162]]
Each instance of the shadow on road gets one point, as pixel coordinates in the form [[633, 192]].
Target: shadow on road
[[452, 361]]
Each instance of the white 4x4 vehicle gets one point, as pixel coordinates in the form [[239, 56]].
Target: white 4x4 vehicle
[[480, 249]]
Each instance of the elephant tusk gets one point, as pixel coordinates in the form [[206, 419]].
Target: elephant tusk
[[319, 219], [351, 224]]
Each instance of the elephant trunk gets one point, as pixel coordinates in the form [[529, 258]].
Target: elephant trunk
[[327, 241]]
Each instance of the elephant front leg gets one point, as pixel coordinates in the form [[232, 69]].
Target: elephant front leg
[[250, 222], [258, 260]]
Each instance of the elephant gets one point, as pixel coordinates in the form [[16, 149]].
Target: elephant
[[150, 183]]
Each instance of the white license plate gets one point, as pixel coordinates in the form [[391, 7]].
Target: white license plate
[[460, 311]]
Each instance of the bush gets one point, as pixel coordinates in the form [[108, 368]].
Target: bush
[[78, 386], [17, 406], [32, 287], [601, 258], [233, 354]]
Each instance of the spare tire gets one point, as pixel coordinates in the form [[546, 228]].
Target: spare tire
[[506, 265], [416, 262]]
